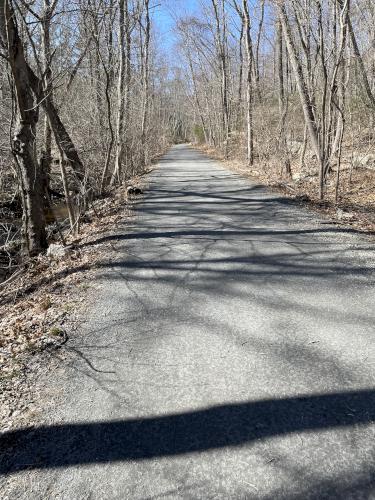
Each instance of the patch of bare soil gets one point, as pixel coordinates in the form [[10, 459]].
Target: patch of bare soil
[[356, 203], [38, 303]]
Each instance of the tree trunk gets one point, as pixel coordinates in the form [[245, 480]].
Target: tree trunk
[[60, 133], [47, 77], [123, 27], [240, 77], [283, 108], [256, 65], [357, 53], [304, 94], [23, 142], [222, 56], [146, 70], [249, 84]]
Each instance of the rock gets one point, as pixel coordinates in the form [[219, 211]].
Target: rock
[[85, 219], [57, 251], [303, 198], [340, 214], [294, 146], [365, 161], [369, 161], [302, 176], [298, 176], [133, 191]]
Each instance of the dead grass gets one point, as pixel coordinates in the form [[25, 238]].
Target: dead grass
[[35, 306], [45, 302]]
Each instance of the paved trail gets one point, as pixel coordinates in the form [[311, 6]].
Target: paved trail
[[229, 355]]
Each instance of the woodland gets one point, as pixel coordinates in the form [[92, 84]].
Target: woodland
[[213, 338], [91, 93]]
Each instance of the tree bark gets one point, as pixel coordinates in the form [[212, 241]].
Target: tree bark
[[357, 53], [47, 77], [120, 124], [259, 35], [222, 55], [303, 92], [249, 83], [283, 107], [23, 142], [146, 71], [61, 135]]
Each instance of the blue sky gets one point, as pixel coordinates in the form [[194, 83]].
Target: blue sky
[[164, 14]]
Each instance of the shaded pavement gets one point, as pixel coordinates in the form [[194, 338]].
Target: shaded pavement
[[229, 354]]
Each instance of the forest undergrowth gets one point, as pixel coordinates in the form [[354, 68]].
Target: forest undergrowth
[[38, 308]]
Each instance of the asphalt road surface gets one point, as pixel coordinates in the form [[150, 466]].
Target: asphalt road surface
[[229, 354]]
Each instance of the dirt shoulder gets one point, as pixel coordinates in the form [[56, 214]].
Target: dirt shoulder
[[43, 304]]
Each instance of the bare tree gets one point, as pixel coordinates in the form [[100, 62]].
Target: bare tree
[[145, 80], [221, 44], [23, 141], [249, 82]]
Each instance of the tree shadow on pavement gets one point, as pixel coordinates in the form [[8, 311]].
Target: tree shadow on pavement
[[195, 431]]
